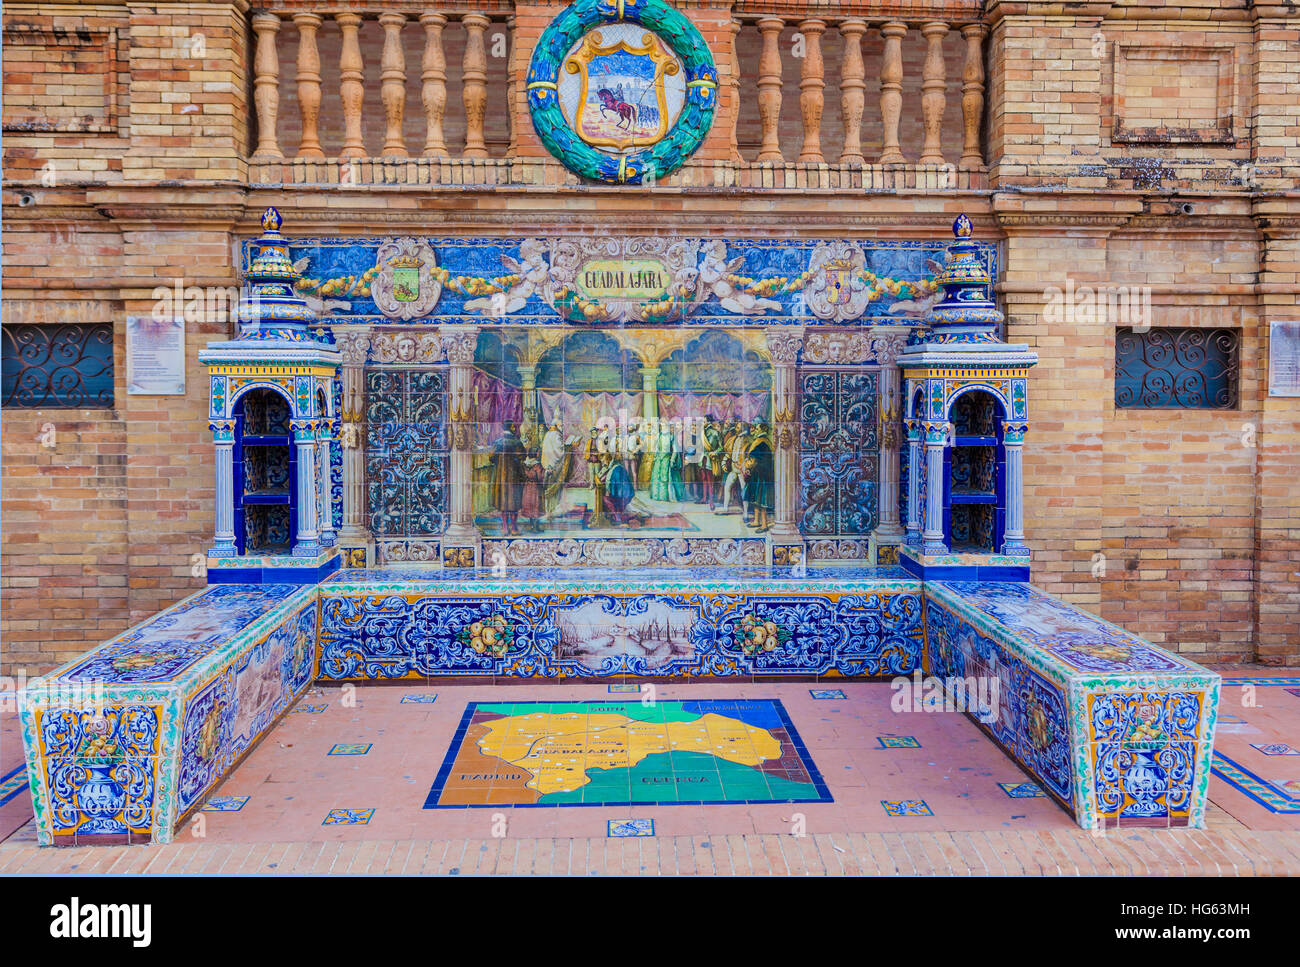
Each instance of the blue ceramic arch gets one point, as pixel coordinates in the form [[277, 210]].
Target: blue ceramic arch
[[686, 134]]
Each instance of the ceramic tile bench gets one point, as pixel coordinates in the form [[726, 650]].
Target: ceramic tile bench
[[1114, 728], [661, 622], [124, 742]]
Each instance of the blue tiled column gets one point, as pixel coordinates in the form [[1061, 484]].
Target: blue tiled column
[[307, 543], [223, 434], [323, 435], [1013, 439], [913, 536], [936, 439]]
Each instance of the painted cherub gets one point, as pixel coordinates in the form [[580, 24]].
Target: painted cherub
[[714, 270], [533, 273], [918, 308]]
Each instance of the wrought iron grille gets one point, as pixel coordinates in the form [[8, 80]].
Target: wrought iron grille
[[1174, 368], [58, 366]]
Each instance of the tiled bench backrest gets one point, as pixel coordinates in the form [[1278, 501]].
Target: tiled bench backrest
[[548, 626], [1117, 729], [126, 739]]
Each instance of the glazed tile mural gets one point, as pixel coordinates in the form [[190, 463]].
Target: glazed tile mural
[[405, 453], [664, 626], [839, 442], [546, 281]]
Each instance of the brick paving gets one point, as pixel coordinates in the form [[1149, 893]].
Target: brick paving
[[1211, 852]]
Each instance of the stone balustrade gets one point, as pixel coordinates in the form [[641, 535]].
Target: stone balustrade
[[763, 56]]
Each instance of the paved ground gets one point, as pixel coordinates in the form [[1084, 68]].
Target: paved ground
[[309, 811]]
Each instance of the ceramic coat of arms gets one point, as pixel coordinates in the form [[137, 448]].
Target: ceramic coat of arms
[[622, 91]]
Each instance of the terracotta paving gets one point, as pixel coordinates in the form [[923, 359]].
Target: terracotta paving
[[293, 784]]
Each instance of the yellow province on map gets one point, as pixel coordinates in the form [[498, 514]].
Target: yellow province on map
[[559, 748]]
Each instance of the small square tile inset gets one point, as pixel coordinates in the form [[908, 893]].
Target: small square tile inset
[[826, 693], [631, 827], [225, 804], [312, 709], [350, 748], [418, 698], [348, 817], [1275, 748], [624, 689], [1292, 691], [906, 807], [898, 742], [1022, 790]]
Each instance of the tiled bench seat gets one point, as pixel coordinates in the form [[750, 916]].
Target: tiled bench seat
[[124, 741], [660, 622], [1117, 730]]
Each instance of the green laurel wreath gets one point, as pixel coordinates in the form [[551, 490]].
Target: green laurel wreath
[[667, 154]]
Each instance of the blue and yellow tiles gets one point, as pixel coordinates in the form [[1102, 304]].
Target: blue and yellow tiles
[[906, 807], [898, 742], [620, 828], [350, 748], [225, 804], [348, 817]]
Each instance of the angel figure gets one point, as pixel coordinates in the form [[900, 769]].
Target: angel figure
[[713, 276], [917, 308], [322, 307], [533, 276]]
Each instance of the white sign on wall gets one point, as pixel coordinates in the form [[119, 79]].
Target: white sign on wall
[[1284, 359], [155, 356]]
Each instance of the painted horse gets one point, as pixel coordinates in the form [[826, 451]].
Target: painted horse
[[613, 103]]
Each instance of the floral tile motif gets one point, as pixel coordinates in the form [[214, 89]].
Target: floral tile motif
[[418, 698], [1022, 790], [624, 689], [225, 804], [348, 817], [1275, 748], [618, 828], [898, 742], [312, 709], [827, 693], [350, 748], [906, 807]]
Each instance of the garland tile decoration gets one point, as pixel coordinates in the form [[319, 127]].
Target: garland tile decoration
[[623, 91]]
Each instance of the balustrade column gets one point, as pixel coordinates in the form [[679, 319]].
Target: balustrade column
[[223, 434], [307, 542], [936, 441], [308, 85], [512, 89], [1013, 536], [324, 434], [769, 90], [266, 87], [914, 470], [733, 84], [933, 96], [812, 85], [433, 74], [891, 92], [353, 347], [474, 78], [351, 85], [972, 95], [784, 346], [853, 88], [392, 91]]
